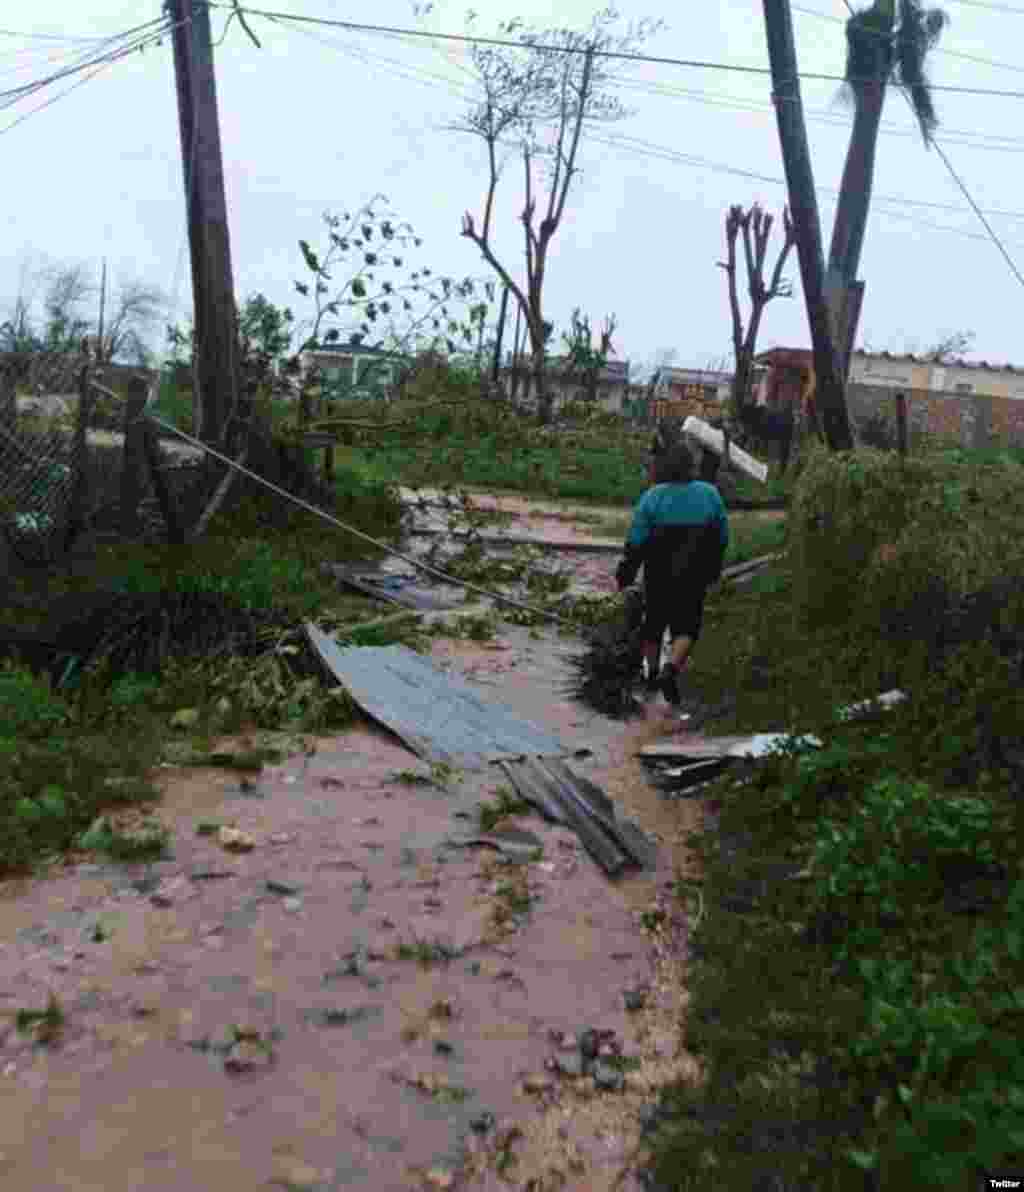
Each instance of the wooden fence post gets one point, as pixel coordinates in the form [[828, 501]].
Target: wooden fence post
[[134, 457], [150, 447], [79, 459], [901, 424], [8, 395]]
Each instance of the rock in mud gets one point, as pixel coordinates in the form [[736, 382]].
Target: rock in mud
[[571, 1064], [608, 1078], [235, 840], [278, 887], [248, 1055], [635, 999], [482, 1123]]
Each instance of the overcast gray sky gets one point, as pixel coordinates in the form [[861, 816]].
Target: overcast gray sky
[[324, 119]]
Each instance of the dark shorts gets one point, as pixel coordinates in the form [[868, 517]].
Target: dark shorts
[[681, 612]]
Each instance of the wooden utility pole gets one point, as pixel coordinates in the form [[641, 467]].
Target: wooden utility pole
[[803, 205], [215, 354], [496, 367], [103, 303]]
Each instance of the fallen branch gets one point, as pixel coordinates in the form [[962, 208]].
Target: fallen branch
[[217, 500], [386, 622], [359, 424]]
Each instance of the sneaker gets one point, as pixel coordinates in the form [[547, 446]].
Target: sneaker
[[668, 682]]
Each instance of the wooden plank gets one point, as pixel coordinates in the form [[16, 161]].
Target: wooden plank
[[680, 777], [705, 749]]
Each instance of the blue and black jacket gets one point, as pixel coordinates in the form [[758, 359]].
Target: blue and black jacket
[[679, 535]]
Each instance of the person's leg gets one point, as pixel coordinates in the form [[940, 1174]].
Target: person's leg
[[652, 652], [679, 651], [656, 618], [685, 626]]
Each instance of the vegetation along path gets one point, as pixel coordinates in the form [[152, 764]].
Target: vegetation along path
[[336, 996]]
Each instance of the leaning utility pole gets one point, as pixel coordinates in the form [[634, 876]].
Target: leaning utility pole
[[830, 395], [103, 303], [215, 355]]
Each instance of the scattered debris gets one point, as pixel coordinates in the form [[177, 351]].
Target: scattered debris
[[609, 669], [285, 888], [517, 844], [235, 840], [885, 701], [548, 784], [394, 589]]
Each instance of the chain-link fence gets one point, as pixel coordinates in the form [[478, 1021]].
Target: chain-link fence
[[80, 455], [42, 452], [64, 424]]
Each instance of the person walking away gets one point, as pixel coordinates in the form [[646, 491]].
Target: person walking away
[[679, 535]]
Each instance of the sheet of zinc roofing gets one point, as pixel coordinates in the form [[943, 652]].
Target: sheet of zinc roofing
[[438, 716]]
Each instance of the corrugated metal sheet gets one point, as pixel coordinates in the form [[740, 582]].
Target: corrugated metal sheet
[[438, 716], [615, 844]]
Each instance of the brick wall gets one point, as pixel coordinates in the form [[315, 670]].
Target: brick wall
[[971, 420], [1007, 421]]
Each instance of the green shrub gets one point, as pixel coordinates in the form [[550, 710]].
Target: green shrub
[[950, 1062], [898, 845], [870, 532], [28, 706]]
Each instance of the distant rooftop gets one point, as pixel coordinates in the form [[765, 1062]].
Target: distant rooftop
[[896, 357]]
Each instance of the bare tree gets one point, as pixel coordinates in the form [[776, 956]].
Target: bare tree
[[138, 308], [949, 347], [537, 100], [756, 228], [67, 288]]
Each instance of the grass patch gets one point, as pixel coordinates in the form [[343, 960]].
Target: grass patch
[[426, 953], [46, 1025], [148, 842], [410, 778], [487, 445], [855, 976], [504, 805]]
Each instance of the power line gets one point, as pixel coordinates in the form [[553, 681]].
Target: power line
[[959, 181], [93, 67], [970, 198], [696, 64], [65, 37], [433, 79], [824, 16], [646, 148], [992, 142], [140, 35], [979, 213], [993, 7]]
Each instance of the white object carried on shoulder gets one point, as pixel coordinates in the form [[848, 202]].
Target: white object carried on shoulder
[[698, 429]]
